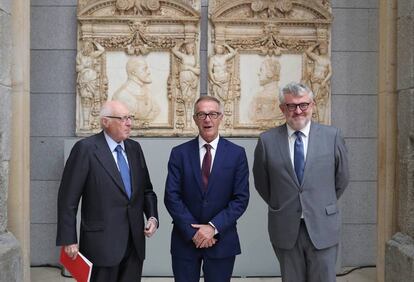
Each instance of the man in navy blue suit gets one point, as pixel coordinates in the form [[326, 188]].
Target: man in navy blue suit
[[207, 190]]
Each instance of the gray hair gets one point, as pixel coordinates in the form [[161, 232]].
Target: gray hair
[[295, 89], [208, 98], [106, 110]]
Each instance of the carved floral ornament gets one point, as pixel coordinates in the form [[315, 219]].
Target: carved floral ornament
[[145, 53]]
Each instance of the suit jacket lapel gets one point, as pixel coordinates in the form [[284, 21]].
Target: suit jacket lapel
[[105, 157], [133, 169], [195, 162], [218, 161], [282, 139], [312, 148]]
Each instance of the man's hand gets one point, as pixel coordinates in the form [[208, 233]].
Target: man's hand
[[71, 250], [204, 237], [150, 227]]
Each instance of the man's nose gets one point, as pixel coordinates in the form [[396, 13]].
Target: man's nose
[[298, 110]]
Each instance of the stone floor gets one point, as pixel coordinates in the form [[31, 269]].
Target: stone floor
[[46, 274]]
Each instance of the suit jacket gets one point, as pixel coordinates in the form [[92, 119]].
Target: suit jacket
[[224, 201], [108, 217], [325, 178]]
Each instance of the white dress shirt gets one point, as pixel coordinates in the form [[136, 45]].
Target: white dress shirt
[[203, 150]]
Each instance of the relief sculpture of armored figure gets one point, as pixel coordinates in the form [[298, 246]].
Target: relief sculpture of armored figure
[[265, 104], [135, 92], [87, 80]]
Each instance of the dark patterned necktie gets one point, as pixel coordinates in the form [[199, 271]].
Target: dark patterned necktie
[[205, 168], [124, 170], [299, 156]]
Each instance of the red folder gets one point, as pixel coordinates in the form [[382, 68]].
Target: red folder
[[80, 268]]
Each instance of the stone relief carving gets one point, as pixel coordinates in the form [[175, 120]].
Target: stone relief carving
[[133, 51], [135, 92], [220, 70], [318, 75], [279, 41], [88, 62], [265, 104], [189, 72], [137, 7], [270, 9], [145, 53]]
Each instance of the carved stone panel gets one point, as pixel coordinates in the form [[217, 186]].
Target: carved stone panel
[[143, 53], [258, 46]]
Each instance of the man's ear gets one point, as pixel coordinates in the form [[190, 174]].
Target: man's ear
[[104, 122]]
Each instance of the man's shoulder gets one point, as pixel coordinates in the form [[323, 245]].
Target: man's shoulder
[[230, 144], [90, 140], [132, 142], [184, 146], [273, 131], [328, 129]]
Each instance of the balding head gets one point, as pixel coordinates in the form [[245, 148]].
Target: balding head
[[116, 120]]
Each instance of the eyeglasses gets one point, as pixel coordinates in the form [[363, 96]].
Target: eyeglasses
[[203, 116], [123, 118], [302, 106]]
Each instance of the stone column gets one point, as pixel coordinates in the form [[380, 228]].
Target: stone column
[[399, 259], [19, 184], [10, 256], [387, 129]]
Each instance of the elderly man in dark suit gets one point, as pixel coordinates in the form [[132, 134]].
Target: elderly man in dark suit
[[300, 170], [109, 172], [207, 190]]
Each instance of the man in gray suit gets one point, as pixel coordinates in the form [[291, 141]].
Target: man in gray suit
[[300, 170]]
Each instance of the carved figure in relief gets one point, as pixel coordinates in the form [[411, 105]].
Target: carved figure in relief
[[189, 71], [319, 77], [271, 8], [265, 104], [218, 71], [135, 92], [87, 81], [137, 6]]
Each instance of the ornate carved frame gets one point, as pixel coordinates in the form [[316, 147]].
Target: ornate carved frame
[[137, 28], [271, 29]]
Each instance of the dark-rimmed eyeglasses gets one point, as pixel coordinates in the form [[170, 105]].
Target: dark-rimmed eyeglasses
[[302, 106], [123, 118], [203, 116]]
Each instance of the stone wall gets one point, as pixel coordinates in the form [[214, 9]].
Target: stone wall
[[354, 89], [354, 110], [400, 249], [10, 260]]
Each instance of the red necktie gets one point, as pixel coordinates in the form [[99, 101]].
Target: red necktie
[[205, 168]]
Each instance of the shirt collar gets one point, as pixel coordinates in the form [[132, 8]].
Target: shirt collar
[[112, 143], [202, 142], [305, 130]]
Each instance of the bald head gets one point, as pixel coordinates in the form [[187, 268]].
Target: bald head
[[111, 107]]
